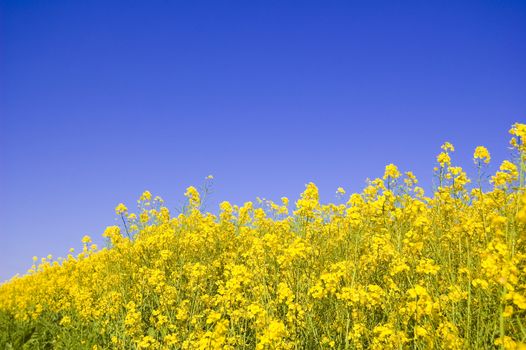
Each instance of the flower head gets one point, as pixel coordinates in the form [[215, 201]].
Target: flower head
[[481, 154], [146, 196], [391, 171], [120, 209]]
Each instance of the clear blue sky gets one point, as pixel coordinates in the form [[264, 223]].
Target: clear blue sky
[[100, 100]]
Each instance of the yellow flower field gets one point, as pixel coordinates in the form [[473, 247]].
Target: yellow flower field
[[388, 268]]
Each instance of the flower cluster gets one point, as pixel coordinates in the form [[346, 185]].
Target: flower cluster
[[387, 268]]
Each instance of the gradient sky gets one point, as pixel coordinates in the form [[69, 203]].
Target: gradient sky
[[100, 100]]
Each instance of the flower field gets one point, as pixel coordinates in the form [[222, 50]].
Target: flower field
[[388, 268]]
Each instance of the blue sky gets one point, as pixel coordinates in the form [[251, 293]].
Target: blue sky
[[100, 100]]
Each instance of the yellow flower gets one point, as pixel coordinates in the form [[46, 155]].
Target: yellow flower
[[447, 147], [443, 159], [519, 131], [170, 339], [213, 317], [146, 196], [480, 283], [481, 153], [65, 321], [506, 342], [120, 209], [308, 202], [420, 332], [193, 197], [427, 266], [391, 171]]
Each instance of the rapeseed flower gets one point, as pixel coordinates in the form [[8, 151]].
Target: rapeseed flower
[[390, 268]]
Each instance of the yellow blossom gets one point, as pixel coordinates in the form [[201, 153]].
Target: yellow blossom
[[120, 209], [481, 154], [391, 171], [146, 196]]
